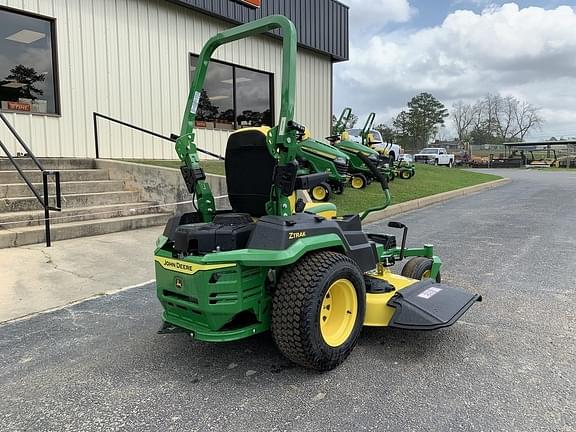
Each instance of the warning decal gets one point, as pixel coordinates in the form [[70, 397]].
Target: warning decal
[[429, 292]]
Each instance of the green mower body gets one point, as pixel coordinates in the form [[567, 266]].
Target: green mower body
[[317, 157], [360, 173], [275, 263]]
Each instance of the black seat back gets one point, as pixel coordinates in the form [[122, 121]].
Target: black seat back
[[249, 171]]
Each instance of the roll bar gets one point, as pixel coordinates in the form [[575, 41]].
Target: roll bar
[[367, 127], [281, 139], [340, 125]]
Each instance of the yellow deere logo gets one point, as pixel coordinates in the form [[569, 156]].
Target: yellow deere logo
[[178, 283], [187, 267]]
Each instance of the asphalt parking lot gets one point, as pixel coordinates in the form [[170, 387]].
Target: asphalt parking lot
[[508, 365]]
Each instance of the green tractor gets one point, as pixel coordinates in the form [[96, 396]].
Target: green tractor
[[389, 153], [317, 157], [361, 175], [273, 263], [404, 169]]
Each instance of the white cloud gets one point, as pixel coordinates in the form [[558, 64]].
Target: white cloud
[[530, 53], [369, 16]]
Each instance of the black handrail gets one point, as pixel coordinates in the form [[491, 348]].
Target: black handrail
[[95, 116], [44, 202]]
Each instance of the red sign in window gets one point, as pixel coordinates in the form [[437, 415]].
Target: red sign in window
[[251, 3]]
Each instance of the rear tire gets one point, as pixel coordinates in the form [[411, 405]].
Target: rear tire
[[322, 192], [419, 268], [310, 327]]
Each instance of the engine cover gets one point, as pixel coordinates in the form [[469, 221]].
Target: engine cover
[[227, 232]]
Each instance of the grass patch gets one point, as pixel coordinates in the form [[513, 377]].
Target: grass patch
[[211, 166], [429, 180]]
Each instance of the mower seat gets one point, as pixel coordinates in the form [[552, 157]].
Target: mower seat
[[249, 171]]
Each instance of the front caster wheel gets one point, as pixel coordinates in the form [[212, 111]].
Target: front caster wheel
[[419, 268]]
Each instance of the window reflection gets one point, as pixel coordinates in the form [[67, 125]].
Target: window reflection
[[252, 98], [233, 97], [26, 64]]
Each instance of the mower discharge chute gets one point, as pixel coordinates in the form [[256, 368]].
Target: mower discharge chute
[[271, 263]]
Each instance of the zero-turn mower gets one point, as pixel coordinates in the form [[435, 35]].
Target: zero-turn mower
[[317, 157], [275, 263], [404, 169], [389, 153], [360, 174]]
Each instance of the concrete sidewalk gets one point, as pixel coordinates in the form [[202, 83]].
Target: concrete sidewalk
[[36, 278]]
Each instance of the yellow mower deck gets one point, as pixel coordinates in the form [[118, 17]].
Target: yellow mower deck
[[378, 313]]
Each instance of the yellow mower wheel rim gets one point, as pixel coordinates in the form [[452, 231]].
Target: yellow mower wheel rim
[[357, 182], [426, 274], [319, 193], [338, 312]]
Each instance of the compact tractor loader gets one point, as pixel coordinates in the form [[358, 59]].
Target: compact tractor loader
[[273, 263]]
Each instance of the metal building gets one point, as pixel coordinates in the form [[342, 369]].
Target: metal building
[[63, 60]]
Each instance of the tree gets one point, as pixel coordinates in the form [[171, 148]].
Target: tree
[[463, 116], [527, 117], [352, 120], [206, 109], [481, 135], [388, 133], [28, 77], [495, 119], [425, 115], [401, 128]]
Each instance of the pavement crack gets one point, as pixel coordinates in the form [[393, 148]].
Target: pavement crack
[[55, 266]]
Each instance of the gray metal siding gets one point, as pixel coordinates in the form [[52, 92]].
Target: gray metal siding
[[129, 59], [322, 25]]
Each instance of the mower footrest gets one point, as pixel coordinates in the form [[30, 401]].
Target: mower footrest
[[428, 305]]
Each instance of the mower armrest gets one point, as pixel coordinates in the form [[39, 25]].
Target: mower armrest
[[310, 180]]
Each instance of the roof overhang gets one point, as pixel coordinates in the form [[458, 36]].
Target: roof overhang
[[321, 25]]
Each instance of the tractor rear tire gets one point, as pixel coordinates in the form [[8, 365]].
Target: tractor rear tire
[[419, 268], [322, 192], [318, 309]]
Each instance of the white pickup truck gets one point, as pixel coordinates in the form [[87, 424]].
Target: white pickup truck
[[435, 156]]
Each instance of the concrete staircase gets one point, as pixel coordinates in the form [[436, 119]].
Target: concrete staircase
[[92, 203]]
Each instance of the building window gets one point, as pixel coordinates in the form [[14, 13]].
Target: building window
[[27, 63], [233, 97]]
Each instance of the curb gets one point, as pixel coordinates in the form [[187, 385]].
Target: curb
[[433, 199]]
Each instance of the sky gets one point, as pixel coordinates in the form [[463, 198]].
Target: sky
[[461, 50]]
